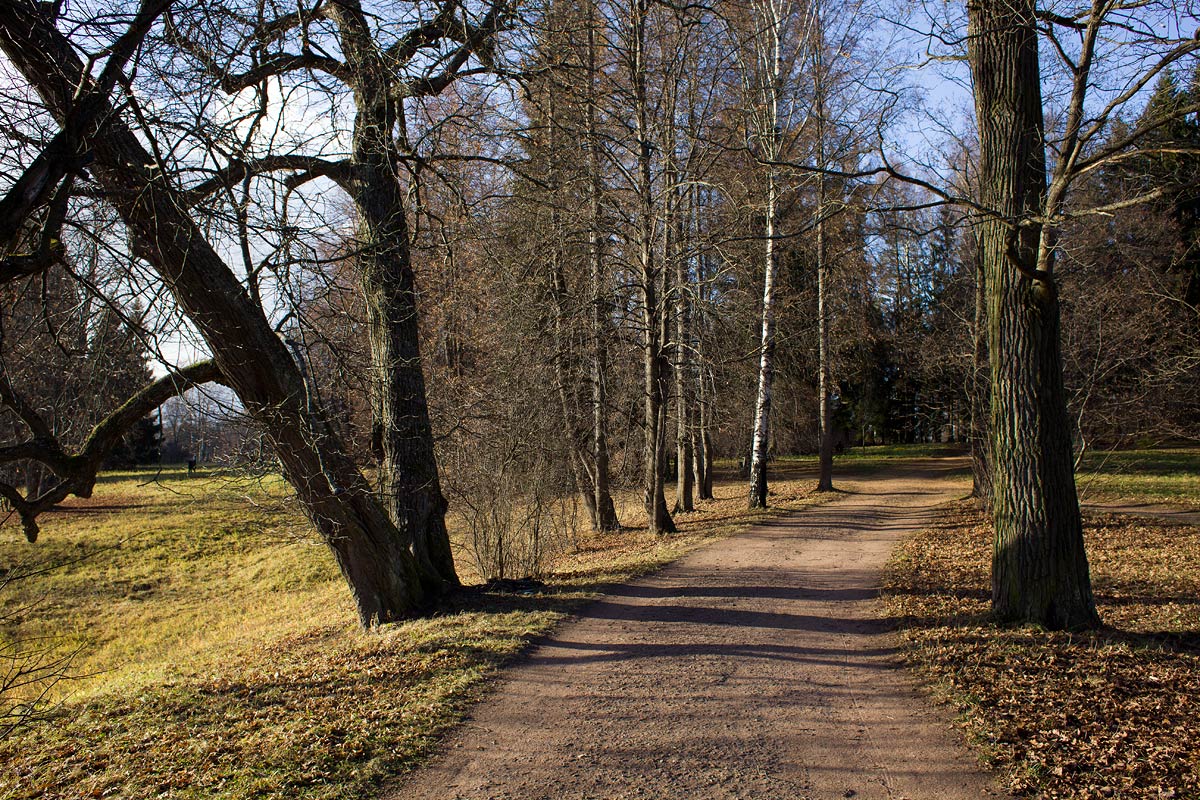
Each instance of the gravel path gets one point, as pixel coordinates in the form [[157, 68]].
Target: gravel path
[[756, 667]]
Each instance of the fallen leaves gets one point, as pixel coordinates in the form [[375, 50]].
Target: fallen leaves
[[1110, 713]]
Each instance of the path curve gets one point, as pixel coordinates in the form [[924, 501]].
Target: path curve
[[756, 667]]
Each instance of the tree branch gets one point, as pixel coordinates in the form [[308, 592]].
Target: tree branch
[[77, 472], [237, 171]]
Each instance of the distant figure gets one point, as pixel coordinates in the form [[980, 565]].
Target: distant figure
[[191, 467]]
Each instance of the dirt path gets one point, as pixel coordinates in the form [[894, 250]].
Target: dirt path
[[753, 668]]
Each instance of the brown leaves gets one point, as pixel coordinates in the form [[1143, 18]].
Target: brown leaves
[[1104, 714]]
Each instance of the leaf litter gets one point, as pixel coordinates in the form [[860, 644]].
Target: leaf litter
[[1107, 713]]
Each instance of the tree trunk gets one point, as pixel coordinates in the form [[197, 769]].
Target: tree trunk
[[401, 428], [766, 360], [702, 449], [981, 465], [825, 410], [606, 511], [677, 222], [1039, 567], [373, 555], [683, 453], [658, 518]]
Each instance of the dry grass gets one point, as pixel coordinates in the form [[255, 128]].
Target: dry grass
[[221, 660], [1104, 714]]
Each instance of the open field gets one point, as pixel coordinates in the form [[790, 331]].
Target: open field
[[1110, 713], [217, 653], [1169, 476]]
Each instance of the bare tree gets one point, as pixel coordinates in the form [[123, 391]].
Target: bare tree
[[1040, 571], [376, 558]]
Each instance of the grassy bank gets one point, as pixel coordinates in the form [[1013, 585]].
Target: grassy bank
[[216, 653], [1109, 713], [1168, 476]]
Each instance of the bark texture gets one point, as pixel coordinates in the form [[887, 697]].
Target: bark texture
[[1039, 568], [401, 430], [766, 360]]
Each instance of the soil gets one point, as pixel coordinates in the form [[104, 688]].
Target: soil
[[756, 667]]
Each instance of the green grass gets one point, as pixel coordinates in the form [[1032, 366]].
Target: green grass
[[856, 461], [1170, 476], [217, 654]]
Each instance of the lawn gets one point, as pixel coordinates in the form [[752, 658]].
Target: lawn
[[1164, 476], [216, 653], [1110, 713]]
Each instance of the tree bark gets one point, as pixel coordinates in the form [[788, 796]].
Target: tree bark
[[373, 555], [766, 359], [981, 465], [401, 429], [676, 223], [702, 449], [1039, 567]]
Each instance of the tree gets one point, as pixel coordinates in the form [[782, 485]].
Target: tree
[[380, 71], [772, 27], [1040, 571], [375, 556]]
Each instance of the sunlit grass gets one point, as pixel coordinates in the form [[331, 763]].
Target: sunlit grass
[[1170, 476], [217, 650]]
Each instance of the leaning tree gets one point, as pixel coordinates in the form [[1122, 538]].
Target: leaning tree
[[395, 562]]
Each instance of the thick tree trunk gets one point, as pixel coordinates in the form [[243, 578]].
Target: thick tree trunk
[[373, 555], [402, 434], [401, 428], [1039, 567]]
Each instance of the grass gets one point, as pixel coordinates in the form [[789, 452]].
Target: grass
[[1103, 714], [856, 461], [1169, 476], [217, 656]]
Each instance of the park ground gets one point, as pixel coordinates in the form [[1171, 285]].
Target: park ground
[[215, 652]]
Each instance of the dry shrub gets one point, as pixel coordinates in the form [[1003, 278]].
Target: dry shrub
[[514, 507]]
